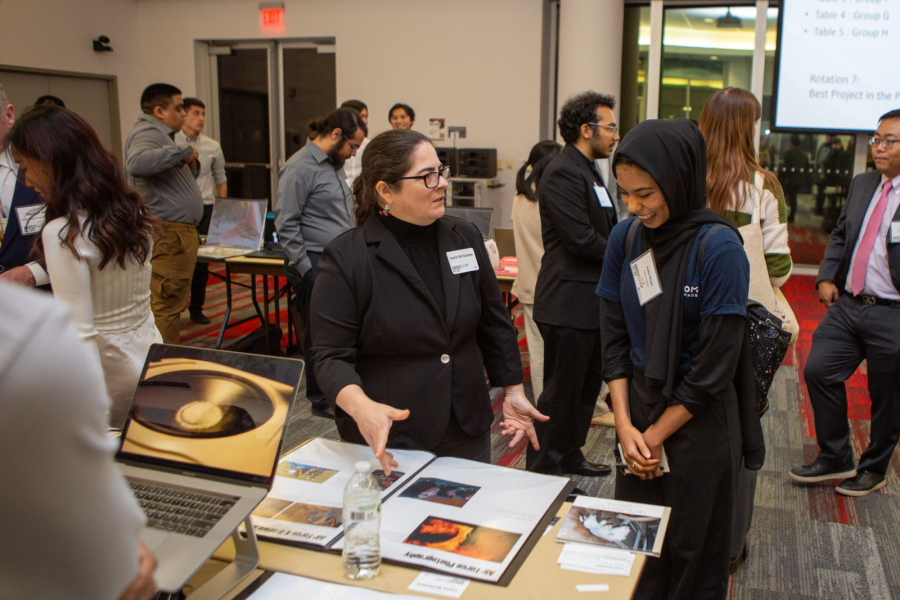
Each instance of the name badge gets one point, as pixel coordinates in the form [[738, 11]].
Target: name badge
[[646, 280], [462, 261], [603, 196], [31, 218], [895, 232]]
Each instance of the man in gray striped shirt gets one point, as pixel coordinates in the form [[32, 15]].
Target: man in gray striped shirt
[[164, 174], [314, 207]]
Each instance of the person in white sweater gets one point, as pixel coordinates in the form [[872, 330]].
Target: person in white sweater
[[70, 523], [96, 243]]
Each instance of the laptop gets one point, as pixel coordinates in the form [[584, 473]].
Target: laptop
[[482, 218], [200, 447], [236, 228]]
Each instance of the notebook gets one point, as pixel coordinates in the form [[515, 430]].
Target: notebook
[[200, 447], [236, 228]]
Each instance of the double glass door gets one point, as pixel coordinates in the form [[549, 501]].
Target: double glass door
[[263, 96]]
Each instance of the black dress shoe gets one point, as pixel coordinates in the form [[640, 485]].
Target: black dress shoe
[[199, 318], [863, 484], [588, 469], [322, 411], [819, 470], [737, 562]]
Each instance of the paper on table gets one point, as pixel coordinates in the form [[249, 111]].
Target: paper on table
[[596, 559], [440, 585], [592, 587], [282, 586]]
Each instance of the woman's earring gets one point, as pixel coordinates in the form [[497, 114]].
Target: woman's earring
[[386, 210]]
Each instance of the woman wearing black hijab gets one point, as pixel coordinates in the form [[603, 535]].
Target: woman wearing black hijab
[[671, 361]]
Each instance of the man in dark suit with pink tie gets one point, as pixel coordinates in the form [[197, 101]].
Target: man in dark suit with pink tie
[[859, 282]]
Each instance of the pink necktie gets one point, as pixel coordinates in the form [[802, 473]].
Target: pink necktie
[[861, 263]]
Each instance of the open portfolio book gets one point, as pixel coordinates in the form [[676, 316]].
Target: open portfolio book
[[450, 515]]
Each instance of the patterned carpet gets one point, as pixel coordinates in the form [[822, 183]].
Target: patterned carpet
[[806, 542]]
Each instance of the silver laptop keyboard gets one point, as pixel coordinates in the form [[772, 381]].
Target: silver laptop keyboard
[[181, 510]]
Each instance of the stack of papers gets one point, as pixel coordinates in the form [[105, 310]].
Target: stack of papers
[[595, 559]]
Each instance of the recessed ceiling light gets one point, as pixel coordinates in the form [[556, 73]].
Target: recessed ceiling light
[[708, 20], [714, 57]]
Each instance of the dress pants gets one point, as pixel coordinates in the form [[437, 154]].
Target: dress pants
[[572, 379], [535, 351], [201, 271], [303, 287], [173, 259], [850, 332]]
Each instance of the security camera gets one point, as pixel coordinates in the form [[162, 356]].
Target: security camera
[[101, 44]]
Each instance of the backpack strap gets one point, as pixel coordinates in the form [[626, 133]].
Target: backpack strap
[[701, 250], [629, 237]]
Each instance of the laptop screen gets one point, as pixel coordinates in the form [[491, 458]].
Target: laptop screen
[[482, 218], [237, 223], [211, 412]]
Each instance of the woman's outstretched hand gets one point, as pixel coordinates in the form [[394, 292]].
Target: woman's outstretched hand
[[519, 416], [374, 421]]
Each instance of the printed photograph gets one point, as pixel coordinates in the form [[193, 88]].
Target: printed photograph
[[606, 528], [474, 541], [440, 491], [270, 507], [312, 514], [288, 468], [386, 481]]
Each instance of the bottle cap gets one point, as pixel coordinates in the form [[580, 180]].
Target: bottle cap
[[363, 466]]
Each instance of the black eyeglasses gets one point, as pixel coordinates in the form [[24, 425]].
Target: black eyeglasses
[[433, 179], [886, 144], [610, 128]]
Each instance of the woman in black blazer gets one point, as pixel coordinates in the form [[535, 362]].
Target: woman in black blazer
[[407, 315]]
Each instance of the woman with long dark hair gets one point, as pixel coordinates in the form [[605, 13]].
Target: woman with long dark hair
[[526, 219], [96, 242], [407, 315], [673, 295]]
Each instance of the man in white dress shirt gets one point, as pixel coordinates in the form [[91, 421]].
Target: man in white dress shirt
[[353, 165], [859, 283], [15, 266], [212, 182]]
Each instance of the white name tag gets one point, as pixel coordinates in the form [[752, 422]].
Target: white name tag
[[603, 196], [31, 218], [462, 261], [895, 232], [646, 280], [439, 585]]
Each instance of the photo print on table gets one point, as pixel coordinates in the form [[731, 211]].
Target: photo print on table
[[440, 491], [607, 528], [312, 514], [270, 507], [474, 541], [292, 470], [386, 481]]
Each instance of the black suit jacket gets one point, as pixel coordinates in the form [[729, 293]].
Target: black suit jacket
[[15, 249], [836, 264], [575, 229], [375, 324]]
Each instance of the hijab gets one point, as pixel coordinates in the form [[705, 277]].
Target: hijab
[[673, 153]]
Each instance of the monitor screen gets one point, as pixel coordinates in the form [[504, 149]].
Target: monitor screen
[[211, 411], [237, 223], [482, 218]]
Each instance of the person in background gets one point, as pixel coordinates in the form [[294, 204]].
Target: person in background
[[314, 207], [96, 241], [164, 173], [58, 456], [353, 166], [402, 331], [859, 283], [401, 116], [738, 188], [212, 182], [17, 239], [672, 359], [793, 174], [526, 218], [49, 100]]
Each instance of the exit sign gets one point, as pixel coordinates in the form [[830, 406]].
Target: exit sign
[[271, 16]]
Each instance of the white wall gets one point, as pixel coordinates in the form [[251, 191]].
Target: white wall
[[474, 62]]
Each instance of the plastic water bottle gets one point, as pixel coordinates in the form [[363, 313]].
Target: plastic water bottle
[[362, 523]]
